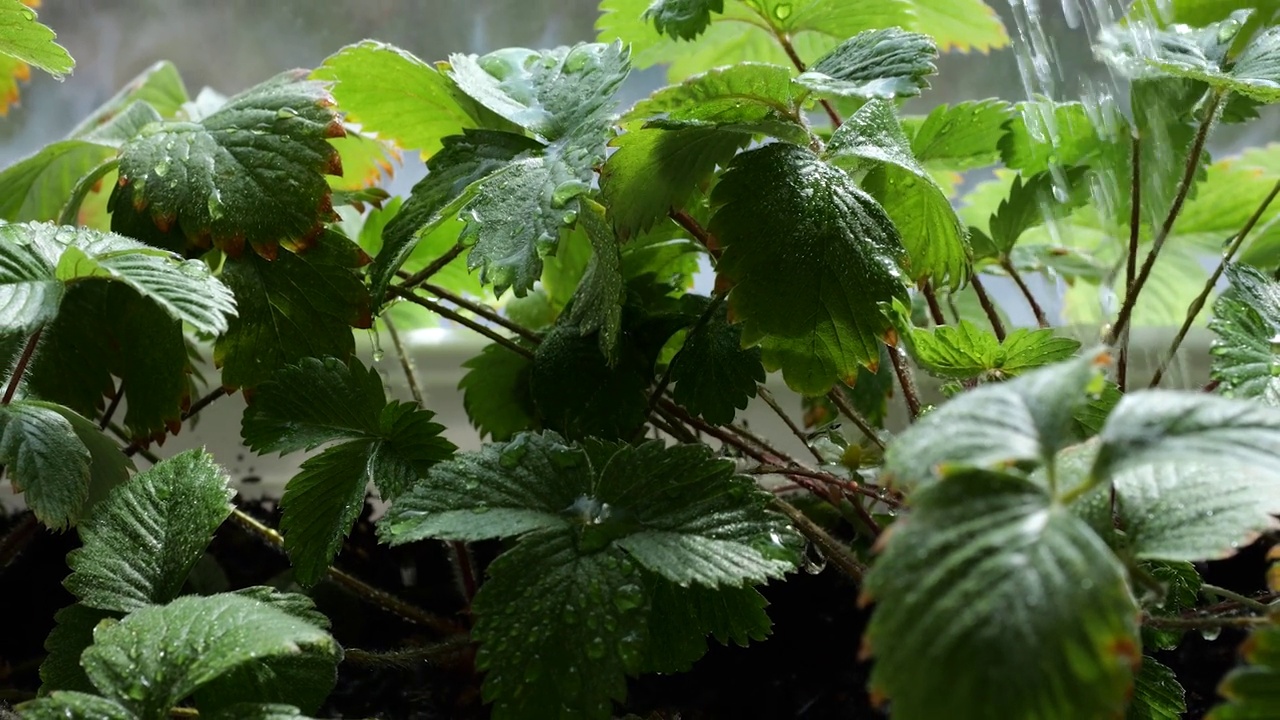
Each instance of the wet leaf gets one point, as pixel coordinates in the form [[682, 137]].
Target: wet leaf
[[683, 19], [577, 392], [46, 461], [963, 351], [963, 136], [597, 304], [884, 64], [1246, 319], [811, 257], [713, 375], [28, 40], [496, 392]]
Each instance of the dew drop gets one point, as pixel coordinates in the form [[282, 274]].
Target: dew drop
[[285, 113], [782, 11], [28, 14], [1211, 633]]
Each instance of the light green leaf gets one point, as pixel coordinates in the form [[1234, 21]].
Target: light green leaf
[[872, 139], [23, 37], [750, 98], [38, 259], [961, 25], [552, 93], [1043, 198], [683, 19], [713, 375], [1043, 134], [297, 306], [656, 171], [597, 304], [36, 187], [964, 351], [197, 184], [159, 655], [496, 392], [70, 705], [159, 86], [45, 460], [559, 629], [959, 137], [887, 64], [981, 551], [391, 92], [437, 198], [1246, 319], [1250, 690], [141, 542], [1195, 475], [811, 257], [1019, 423]]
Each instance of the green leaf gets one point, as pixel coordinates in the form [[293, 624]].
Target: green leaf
[[980, 551], [597, 305], [558, 630], [391, 92], [959, 137], [108, 467], [729, 614], [677, 511], [1022, 422], [159, 86], [63, 704], [1181, 580], [1195, 475], [1045, 134], [656, 171], [496, 394], [37, 260], [450, 182], [811, 257], [962, 25], [1156, 694], [872, 139], [750, 98], [889, 63], [297, 306], [140, 543], [964, 351], [260, 711], [36, 187], [200, 183], [1250, 690], [1035, 201], [579, 394], [45, 460], [552, 93], [159, 655], [1246, 319], [72, 633], [316, 402], [22, 37], [713, 375], [683, 19]]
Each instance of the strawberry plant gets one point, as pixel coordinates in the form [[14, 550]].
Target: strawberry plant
[[1028, 546]]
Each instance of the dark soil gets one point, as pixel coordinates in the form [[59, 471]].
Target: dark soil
[[808, 669]]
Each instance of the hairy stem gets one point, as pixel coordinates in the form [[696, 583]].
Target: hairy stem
[[407, 658], [445, 312], [988, 307], [436, 266], [1131, 260], [1243, 600], [903, 371], [357, 587], [1036, 310], [790, 49], [1180, 197], [485, 312], [931, 299], [1196, 305], [836, 551], [769, 400], [1206, 623], [405, 364], [20, 369], [842, 403]]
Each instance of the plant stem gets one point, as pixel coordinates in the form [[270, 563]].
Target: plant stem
[[1196, 305], [699, 233], [702, 321], [835, 550], [436, 266], [931, 299], [137, 445], [875, 493], [28, 351], [1204, 623], [900, 368], [460, 319], [409, 375], [842, 403], [988, 307], [357, 587], [1226, 594], [1131, 260], [406, 658], [116, 397], [769, 400], [1180, 197], [484, 312], [794, 56], [1036, 310]]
